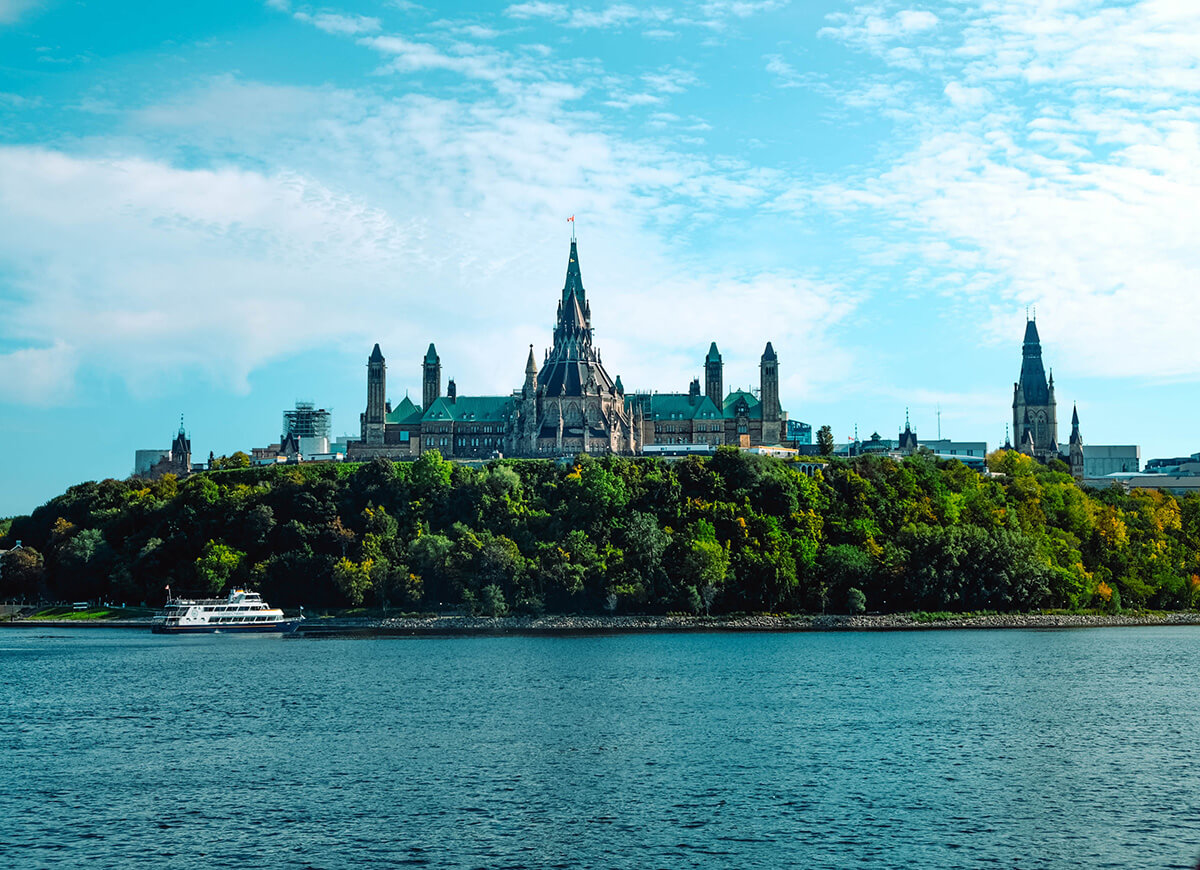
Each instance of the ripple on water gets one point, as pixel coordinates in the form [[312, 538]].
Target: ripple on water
[[1033, 749]]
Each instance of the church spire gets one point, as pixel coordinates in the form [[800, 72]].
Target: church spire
[[574, 282]]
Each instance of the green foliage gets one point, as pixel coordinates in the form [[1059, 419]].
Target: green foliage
[[353, 579], [731, 533], [856, 601], [217, 564], [21, 573], [491, 601], [825, 440]]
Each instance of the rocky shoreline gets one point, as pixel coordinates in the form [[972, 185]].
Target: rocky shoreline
[[538, 625], [412, 626]]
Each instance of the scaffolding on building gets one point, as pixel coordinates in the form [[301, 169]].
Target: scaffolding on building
[[307, 421]]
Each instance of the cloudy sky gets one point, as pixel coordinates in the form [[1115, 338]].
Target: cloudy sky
[[216, 209]]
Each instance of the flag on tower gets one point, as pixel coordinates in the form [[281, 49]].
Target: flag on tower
[[571, 219]]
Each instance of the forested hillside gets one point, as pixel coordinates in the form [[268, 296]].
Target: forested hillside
[[734, 533]]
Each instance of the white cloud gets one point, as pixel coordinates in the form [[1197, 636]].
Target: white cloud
[[38, 375], [537, 9], [786, 75], [964, 97], [915, 20], [143, 269], [11, 10], [1055, 172], [716, 9], [344, 25], [464, 58], [433, 207]]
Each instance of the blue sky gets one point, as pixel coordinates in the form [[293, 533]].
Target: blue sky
[[217, 209]]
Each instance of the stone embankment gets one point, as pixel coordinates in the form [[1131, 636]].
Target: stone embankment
[[444, 625]]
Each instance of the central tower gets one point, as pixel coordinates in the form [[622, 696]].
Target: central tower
[[571, 405], [572, 366]]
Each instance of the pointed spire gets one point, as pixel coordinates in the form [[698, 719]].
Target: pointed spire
[[574, 282], [714, 355], [573, 317], [377, 354], [1074, 415], [531, 363], [769, 353], [431, 355]]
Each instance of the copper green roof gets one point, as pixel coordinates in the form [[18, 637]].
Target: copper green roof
[[405, 412], [431, 354], [714, 355], [753, 406], [678, 406], [470, 409]]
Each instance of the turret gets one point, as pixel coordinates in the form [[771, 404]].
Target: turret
[[181, 451], [768, 368], [908, 438], [375, 418], [714, 375], [451, 391], [1076, 447], [431, 371], [694, 391], [530, 375]]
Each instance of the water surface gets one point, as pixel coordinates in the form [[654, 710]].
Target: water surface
[[1014, 749]]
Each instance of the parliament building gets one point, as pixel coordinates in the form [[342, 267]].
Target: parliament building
[[568, 405]]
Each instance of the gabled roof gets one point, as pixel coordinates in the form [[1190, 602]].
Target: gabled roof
[[405, 412], [470, 409], [753, 406]]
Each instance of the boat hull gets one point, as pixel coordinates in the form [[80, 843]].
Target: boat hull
[[287, 626]]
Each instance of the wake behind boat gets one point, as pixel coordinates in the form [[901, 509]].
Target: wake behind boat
[[241, 612]]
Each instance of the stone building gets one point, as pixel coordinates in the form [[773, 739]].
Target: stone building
[[569, 404], [177, 460], [1035, 416]]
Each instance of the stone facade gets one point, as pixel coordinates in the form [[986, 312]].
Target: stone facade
[[177, 460], [1035, 416], [567, 405]]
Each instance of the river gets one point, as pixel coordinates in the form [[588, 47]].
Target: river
[[1014, 749]]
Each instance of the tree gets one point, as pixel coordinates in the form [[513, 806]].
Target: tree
[[704, 566], [825, 440], [21, 573], [491, 600], [216, 565], [856, 601], [353, 579]]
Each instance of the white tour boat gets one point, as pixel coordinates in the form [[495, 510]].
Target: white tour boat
[[242, 611]]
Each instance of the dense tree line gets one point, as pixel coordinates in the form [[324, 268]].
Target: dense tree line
[[731, 533]]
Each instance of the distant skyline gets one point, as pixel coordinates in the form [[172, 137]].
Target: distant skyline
[[218, 210]]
